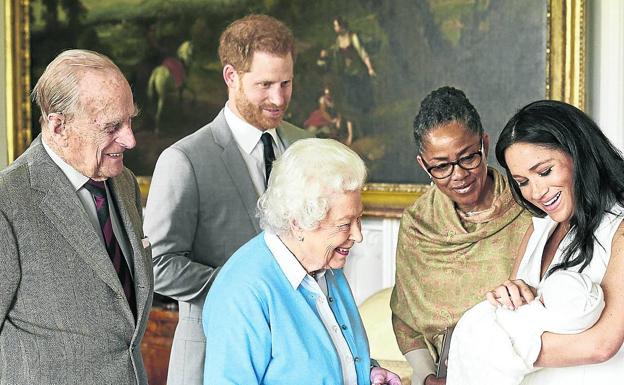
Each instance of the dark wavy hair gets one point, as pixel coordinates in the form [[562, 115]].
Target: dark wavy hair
[[598, 168], [445, 105]]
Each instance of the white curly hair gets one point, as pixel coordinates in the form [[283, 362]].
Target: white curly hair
[[303, 180]]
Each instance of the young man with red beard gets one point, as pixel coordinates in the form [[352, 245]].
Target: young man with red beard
[[202, 200]]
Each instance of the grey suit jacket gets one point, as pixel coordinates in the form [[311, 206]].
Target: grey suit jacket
[[201, 208], [64, 318]]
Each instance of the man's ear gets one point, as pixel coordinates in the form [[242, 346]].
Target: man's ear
[[231, 76], [57, 129]]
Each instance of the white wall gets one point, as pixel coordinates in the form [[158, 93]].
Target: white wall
[[605, 67], [371, 264]]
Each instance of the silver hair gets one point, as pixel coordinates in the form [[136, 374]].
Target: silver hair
[[303, 180], [57, 90]]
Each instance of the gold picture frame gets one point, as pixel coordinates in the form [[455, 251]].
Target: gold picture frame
[[565, 80]]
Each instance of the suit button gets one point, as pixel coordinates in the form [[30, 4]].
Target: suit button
[[344, 327], [330, 299], [356, 359]]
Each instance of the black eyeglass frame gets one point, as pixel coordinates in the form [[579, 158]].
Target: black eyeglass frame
[[455, 163]]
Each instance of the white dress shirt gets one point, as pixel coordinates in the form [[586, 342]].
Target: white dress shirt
[[247, 138], [78, 181], [296, 275]]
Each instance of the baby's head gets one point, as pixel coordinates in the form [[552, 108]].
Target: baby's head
[[573, 302], [564, 290]]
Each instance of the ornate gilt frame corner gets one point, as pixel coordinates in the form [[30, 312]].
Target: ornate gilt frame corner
[[17, 60]]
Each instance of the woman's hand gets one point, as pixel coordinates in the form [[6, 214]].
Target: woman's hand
[[511, 294], [433, 380], [381, 376]]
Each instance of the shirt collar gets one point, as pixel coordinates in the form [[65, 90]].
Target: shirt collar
[[76, 179], [294, 272], [246, 135]]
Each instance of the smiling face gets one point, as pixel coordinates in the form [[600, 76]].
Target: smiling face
[[545, 177], [97, 135], [328, 246], [261, 95], [469, 189]]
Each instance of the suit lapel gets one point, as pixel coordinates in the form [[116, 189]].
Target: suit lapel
[[61, 205], [236, 167], [123, 195], [284, 137], [235, 164], [289, 134]]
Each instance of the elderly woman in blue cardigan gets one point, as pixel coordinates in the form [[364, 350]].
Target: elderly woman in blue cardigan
[[280, 311]]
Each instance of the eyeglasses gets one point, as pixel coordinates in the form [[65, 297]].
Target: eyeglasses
[[468, 162]]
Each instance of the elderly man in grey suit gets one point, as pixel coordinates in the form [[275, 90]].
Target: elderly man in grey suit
[[202, 201], [76, 276]]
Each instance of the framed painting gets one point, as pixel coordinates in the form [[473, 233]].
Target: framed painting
[[362, 68]]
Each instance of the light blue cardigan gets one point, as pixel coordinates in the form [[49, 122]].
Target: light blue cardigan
[[259, 330]]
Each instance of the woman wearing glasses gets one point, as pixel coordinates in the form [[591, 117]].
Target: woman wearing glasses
[[459, 239]]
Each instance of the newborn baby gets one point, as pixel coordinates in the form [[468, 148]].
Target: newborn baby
[[494, 345]]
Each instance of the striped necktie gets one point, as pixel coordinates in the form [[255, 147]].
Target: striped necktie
[[98, 191]]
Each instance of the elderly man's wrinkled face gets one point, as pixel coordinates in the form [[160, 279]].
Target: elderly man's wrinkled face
[[101, 131], [328, 246]]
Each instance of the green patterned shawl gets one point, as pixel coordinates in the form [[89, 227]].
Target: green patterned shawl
[[443, 269]]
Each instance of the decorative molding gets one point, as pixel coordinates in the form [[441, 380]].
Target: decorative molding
[[17, 48], [565, 73]]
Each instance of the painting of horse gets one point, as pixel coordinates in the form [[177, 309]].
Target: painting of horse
[[169, 78]]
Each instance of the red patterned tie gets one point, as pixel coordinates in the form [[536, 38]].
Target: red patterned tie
[[98, 191]]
